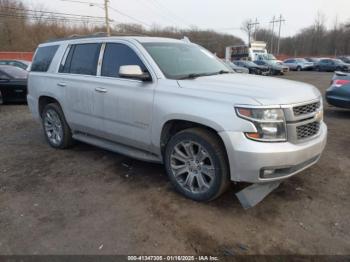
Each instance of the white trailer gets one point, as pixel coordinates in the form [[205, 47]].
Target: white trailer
[[255, 51]]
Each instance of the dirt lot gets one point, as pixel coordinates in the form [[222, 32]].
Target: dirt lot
[[90, 201]]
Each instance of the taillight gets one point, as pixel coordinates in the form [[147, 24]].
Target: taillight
[[340, 82]]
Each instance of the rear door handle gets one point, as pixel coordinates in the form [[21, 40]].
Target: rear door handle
[[101, 90], [62, 84]]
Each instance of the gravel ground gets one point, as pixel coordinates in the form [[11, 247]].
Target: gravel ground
[[90, 201]]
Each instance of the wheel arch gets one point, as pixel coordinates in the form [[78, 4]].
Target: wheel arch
[[45, 100], [173, 126]]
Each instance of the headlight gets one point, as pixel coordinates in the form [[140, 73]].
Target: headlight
[[270, 123]]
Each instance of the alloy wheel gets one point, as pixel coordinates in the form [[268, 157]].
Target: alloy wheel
[[192, 167], [53, 127]]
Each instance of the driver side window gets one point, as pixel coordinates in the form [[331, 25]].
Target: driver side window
[[117, 55]]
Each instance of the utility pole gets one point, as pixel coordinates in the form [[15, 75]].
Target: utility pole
[[280, 20], [108, 29], [272, 33], [250, 26], [256, 27]]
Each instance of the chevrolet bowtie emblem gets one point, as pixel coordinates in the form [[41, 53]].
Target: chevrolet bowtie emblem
[[319, 116]]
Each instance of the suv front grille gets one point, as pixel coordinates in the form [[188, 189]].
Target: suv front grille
[[306, 109], [308, 130]]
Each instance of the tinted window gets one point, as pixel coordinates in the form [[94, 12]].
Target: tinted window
[[15, 72], [84, 59], [43, 58], [117, 55], [65, 65]]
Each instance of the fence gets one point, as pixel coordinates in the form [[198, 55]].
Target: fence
[[17, 55]]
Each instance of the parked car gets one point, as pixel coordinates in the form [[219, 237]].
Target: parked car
[[13, 84], [345, 59], [331, 65], [237, 69], [338, 94], [17, 63], [275, 68], [173, 102], [252, 67], [298, 64], [314, 60]]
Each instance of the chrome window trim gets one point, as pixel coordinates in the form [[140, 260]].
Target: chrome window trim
[[100, 58]]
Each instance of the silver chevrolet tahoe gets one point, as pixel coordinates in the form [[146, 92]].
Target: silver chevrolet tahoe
[[173, 102]]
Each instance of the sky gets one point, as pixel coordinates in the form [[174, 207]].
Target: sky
[[222, 15]]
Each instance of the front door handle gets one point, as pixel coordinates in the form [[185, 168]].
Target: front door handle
[[62, 84], [101, 90]]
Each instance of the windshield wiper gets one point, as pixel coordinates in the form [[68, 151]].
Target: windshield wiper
[[195, 75]]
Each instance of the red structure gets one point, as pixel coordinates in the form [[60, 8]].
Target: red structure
[[17, 55]]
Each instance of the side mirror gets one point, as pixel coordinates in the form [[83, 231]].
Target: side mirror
[[134, 72]]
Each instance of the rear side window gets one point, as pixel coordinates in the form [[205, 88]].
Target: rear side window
[[117, 55], [43, 58], [82, 59], [85, 59]]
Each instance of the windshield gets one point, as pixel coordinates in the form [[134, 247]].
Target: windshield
[[302, 60], [15, 72], [248, 63], [339, 61], [178, 60], [268, 57]]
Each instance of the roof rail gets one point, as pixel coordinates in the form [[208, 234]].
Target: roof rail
[[98, 34], [76, 36]]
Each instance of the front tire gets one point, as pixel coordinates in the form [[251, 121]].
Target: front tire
[[56, 129], [196, 164]]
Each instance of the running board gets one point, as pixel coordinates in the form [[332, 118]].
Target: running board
[[117, 148]]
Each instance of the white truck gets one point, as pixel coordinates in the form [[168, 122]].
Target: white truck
[[254, 51]]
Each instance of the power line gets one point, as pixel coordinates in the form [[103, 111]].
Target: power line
[[82, 2], [106, 7], [54, 13], [46, 18], [129, 16], [171, 13], [160, 12]]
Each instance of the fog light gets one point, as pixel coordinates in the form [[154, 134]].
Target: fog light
[[268, 173]]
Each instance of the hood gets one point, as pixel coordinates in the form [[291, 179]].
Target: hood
[[261, 67], [265, 90]]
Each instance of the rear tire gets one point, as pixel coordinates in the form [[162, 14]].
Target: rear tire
[[56, 130], [197, 165]]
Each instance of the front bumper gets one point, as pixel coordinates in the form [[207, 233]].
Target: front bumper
[[248, 159]]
